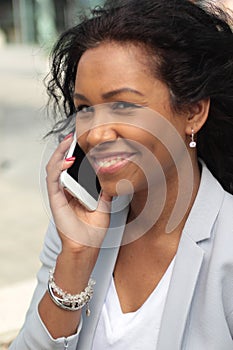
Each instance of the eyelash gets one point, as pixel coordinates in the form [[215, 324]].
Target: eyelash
[[115, 105], [81, 108], [125, 105]]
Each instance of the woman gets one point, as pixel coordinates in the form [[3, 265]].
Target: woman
[[146, 61]]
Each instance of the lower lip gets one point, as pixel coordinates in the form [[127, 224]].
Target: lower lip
[[112, 168]]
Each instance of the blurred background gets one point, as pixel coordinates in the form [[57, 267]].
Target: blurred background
[[28, 30], [39, 21]]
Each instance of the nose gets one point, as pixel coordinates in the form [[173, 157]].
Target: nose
[[101, 134], [97, 128]]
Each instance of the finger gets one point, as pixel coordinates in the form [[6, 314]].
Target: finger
[[53, 178], [59, 155], [104, 204], [105, 197], [67, 162], [56, 165], [56, 162], [69, 196]]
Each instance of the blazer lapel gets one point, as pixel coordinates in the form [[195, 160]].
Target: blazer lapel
[[184, 278]]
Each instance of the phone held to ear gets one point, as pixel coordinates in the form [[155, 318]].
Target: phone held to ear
[[80, 180]]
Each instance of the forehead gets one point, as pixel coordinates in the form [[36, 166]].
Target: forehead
[[114, 61], [113, 72]]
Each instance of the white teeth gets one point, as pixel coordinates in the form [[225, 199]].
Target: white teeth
[[107, 163]]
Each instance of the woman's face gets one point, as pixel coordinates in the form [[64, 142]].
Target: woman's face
[[115, 134]]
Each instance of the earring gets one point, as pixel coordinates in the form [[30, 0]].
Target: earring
[[192, 143]]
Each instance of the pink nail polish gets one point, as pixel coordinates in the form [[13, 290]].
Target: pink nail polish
[[71, 159], [68, 136]]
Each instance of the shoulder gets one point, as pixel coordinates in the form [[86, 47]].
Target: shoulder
[[227, 206], [210, 222], [224, 221], [223, 228]]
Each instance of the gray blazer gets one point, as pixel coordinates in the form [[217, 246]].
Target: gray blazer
[[198, 312]]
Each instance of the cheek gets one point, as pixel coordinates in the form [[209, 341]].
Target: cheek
[[147, 143], [81, 138], [156, 155]]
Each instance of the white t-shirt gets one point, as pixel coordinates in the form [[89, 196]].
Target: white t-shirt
[[134, 330]]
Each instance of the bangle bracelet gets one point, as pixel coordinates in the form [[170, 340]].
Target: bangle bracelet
[[67, 301]]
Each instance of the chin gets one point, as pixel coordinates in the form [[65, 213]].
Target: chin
[[123, 187]]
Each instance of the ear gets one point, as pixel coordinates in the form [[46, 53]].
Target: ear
[[198, 114]]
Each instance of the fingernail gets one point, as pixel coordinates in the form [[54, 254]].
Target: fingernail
[[71, 159], [68, 136]]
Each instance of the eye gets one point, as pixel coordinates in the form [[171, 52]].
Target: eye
[[122, 105], [84, 111], [83, 108]]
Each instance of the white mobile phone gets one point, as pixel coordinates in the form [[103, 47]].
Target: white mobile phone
[[80, 180]]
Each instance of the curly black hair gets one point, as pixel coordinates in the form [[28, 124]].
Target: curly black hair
[[193, 47]]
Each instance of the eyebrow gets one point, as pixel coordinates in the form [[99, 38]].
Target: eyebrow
[[110, 94], [76, 96], [113, 93]]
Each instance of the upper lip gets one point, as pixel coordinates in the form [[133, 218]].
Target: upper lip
[[108, 155]]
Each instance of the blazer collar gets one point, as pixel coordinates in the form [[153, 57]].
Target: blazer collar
[[188, 261], [205, 208]]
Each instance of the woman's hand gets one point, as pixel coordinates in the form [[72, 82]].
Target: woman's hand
[[81, 233], [78, 227]]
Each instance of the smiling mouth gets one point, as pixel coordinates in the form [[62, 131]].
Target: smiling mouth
[[108, 163], [111, 163]]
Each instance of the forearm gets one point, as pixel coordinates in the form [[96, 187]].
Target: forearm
[[72, 274]]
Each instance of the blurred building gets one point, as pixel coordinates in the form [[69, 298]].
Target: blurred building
[[39, 21]]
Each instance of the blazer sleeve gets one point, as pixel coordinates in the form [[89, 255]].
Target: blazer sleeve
[[34, 335]]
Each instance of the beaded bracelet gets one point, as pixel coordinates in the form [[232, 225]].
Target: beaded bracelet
[[67, 301]]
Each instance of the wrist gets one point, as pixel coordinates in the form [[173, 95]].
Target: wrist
[[65, 300], [78, 256], [73, 270]]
